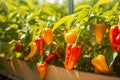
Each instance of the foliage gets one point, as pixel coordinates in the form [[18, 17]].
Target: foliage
[[23, 20]]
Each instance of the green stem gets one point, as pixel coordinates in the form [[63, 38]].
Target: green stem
[[94, 50], [41, 60], [73, 23], [95, 21], [119, 20], [78, 36]]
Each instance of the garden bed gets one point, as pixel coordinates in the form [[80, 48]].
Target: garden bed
[[20, 69]]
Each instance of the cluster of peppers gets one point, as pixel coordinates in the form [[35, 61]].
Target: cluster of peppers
[[38, 46], [47, 38], [99, 61], [114, 35], [73, 51]]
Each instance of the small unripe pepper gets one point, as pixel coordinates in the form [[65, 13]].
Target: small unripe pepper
[[99, 31], [100, 64], [40, 45], [114, 38], [18, 46], [33, 49], [73, 53], [70, 36], [42, 68], [47, 35]]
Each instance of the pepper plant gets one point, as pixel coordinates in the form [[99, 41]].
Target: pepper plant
[[80, 41]]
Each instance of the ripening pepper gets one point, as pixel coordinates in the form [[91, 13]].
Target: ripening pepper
[[72, 55], [33, 49], [50, 57], [70, 36], [42, 68], [18, 46], [99, 31], [114, 38], [100, 64], [47, 35], [40, 45]]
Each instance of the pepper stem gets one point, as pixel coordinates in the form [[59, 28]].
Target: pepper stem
[[41, 60], [77, 37], [94, 50], [119, 20]]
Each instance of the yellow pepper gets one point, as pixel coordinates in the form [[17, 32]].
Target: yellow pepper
[[100, 64], [33, 49], [70, 36]]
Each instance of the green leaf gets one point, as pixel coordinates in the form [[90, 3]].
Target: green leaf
[[12, 14], [32, 62], [107, 13], [2, 18], [110, 56], [30, 3], [102, 2], [10, 6], [81, 7], [70, 20], [14, 26], [33, 15], [23, 8], [62, 20], [115, 8], [3, 46], [109, 18], [82, 14], [48, 10], [11, 32]]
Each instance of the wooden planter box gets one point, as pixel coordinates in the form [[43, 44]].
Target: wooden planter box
[[20, 69]]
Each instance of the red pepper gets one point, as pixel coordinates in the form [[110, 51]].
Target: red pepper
[[50, 57], [42, 68], [67, 55], [114, 38], [40, 45], [73, 53], [18, 46]]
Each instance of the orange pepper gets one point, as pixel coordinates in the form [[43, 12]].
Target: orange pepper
[[47, 35], [99, 31], [33, 49], [100, 64], [42, 68]]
